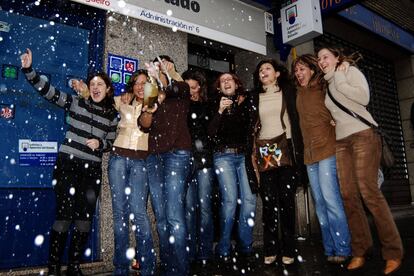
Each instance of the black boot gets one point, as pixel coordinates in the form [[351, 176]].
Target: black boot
[[57, 245], [53, 269], [74, 270], [77, 245]]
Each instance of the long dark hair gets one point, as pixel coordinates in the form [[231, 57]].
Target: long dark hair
[[200, 78], [108, 101], [283, 81], [352, 58], [311, 62]]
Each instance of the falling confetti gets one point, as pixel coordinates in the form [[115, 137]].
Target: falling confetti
[[39, 240], [130, 253]]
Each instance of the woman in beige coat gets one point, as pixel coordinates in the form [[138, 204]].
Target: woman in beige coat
[[128, 182], [358, 154]]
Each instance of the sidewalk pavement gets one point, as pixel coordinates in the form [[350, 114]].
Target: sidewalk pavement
[[311, 260]]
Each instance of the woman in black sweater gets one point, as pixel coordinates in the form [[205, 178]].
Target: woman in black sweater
[[229, 130], [199, 216]]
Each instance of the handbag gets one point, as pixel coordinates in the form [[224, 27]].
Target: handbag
[[273, 153], [387, 156]]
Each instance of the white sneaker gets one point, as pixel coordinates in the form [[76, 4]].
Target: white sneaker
[[270, 259], [287, 260]]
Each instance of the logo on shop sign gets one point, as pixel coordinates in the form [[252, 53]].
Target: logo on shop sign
[[129, 65], [115, 62], [115, 76], [291, 14], [7, 111]]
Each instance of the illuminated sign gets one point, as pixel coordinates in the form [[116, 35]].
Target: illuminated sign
[[328, 6], [9, 71], [7, 111], [120, 70]]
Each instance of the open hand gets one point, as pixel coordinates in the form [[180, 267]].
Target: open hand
[[153, 70], [126, 98], [80, 87], [26, 58]]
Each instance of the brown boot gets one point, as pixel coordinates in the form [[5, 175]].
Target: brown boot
[[356, 263], [391, 266]]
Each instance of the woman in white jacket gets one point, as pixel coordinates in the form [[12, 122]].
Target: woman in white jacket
[[128, 181]]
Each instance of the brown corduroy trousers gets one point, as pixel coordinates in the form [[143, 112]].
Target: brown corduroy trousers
[[358, 158]]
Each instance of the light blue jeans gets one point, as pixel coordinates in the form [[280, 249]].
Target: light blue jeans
[[234, 190], [329, 207], [129, 191], [199, 215], [167, 174]]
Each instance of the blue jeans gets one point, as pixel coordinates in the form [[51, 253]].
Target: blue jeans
[[199, 216], [234, 190], [329, 207], [167, 174], [129, 191]]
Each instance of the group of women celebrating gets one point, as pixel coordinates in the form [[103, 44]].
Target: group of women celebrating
[[287, 130]]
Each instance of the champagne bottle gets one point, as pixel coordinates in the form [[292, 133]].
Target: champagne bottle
[[150, 92]]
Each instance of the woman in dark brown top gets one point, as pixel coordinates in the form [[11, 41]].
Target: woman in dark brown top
[[318, 133], [168, 163]]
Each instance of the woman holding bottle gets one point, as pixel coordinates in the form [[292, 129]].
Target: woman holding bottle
[[128, 181]]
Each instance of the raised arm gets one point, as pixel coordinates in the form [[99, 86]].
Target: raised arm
[[42, 86]]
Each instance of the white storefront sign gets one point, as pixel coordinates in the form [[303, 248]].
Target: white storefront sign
[[227, 21], [301, 21]]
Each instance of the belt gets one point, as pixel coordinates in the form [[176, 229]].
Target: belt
[[229, 150]]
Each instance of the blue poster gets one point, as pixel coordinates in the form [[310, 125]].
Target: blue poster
[[120, 70]]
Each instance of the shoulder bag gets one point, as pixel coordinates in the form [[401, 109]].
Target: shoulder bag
[[387, 157]]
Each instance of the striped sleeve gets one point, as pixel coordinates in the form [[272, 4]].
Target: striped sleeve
[[107, 143], [47, 90]]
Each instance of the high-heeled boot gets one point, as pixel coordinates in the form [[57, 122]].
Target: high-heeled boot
[[57, 243], [77, 245]]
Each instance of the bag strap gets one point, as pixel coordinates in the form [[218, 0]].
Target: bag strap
[[282, 113], [350, 112]]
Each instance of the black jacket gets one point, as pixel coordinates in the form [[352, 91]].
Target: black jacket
[[233, 131], [198, 119]]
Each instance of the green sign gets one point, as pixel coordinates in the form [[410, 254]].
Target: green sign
[[9, 72]]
